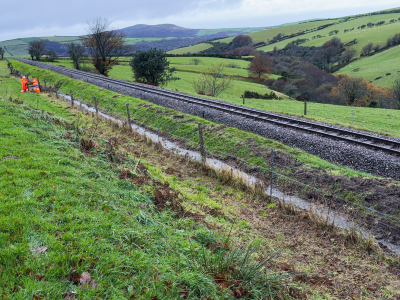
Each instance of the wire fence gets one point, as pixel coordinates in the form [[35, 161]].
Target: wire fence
[[259, 164], [342, 209]]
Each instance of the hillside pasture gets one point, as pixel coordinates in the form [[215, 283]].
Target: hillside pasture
[[376, 66], [377, 35], [191, 49]]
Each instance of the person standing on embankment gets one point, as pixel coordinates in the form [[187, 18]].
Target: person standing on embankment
[[24, 82], [35, 85]]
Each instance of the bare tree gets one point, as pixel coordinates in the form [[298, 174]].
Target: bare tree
[[376, 48], [2, 52], [37, 49], [76, 52], [366, 50], [104, 45], [212, 80], [260, 65]]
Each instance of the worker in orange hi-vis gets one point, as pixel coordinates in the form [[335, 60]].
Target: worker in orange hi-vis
[[35, 85], [24, 82]]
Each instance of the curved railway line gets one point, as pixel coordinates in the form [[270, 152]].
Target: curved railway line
[[375, 142]]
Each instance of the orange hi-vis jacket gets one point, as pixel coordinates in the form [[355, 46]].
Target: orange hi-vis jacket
[[35, 85], [24, 82]]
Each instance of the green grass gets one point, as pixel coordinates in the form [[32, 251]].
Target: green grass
[[376, 35], [264, 35], [377, 66], [63, 213], [191, 49], [189, 73]]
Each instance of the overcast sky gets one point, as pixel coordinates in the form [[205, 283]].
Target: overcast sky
[[48, 18]]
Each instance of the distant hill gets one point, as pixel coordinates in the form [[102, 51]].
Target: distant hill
[[142, 36], [162, 30]]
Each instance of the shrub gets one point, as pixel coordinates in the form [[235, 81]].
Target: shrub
[[255, 95]]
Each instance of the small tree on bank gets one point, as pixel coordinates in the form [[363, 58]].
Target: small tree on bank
[[77, 53], [37, 49], [2, 51], [104, 45], [212, 80], [51, 56], [152, 67]]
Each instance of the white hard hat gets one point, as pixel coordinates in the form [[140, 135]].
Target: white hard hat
[[23, 77]]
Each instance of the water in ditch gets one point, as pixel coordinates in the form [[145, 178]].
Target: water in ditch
[[340, 220]]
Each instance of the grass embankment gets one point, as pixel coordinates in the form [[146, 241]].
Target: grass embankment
[[128, 247], [229, 140], [381, 121], [376, 66], [71, 227]]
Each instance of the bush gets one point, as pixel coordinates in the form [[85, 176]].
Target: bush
[[255, 95]]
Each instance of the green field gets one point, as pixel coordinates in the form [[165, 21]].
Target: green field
[[187, 73], [191, 49], [264, 35], [377, 66], [376, 35]]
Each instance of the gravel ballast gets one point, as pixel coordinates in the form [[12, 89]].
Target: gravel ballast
[[339, 152]]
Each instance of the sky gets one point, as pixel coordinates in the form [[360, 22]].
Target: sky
[[69, 18]]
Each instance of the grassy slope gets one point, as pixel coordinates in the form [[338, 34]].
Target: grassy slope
[[377, 65], [75, 211], [264, 35], [73, 207], [191, 49], [376, 35], [258, 36], [230, 203]]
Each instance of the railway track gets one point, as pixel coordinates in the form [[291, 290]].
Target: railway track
[[375, 142]]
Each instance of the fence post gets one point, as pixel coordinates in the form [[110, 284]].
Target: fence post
[[72, 97], [158, 129], [305, 108], [272, 173], [95, 105], [243, 99], [352, 117], [202, 150], [129, 116], [203, 114]]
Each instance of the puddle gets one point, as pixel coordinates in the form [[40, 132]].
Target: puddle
[[340, 220]]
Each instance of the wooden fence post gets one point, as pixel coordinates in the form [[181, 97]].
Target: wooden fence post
[[202, 149]]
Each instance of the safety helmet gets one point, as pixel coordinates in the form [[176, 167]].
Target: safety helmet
[[23, 77]]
